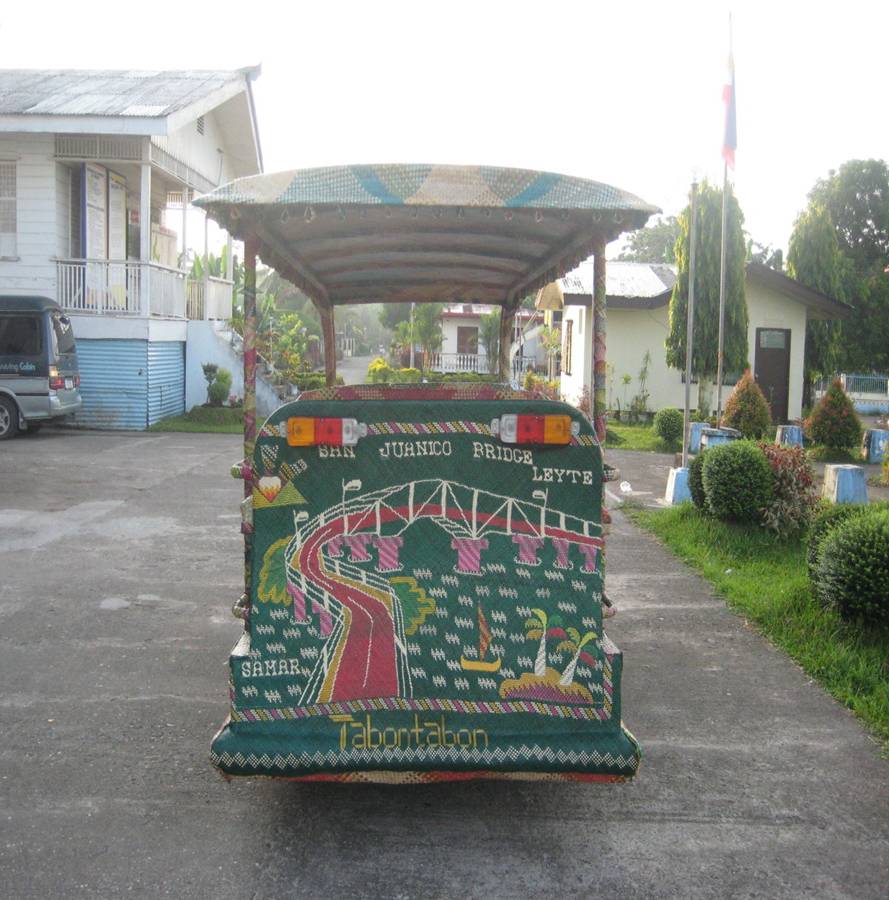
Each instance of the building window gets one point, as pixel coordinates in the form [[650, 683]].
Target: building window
[[7, 209], [566, 353], [200, 124]]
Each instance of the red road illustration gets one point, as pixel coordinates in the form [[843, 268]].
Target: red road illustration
[[367, 660]]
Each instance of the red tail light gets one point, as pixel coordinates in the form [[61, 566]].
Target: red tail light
[[526, 429], [56, 383], [76, 381], [308, 431]]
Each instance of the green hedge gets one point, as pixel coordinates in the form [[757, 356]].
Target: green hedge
[[737, 481], [852, 571]]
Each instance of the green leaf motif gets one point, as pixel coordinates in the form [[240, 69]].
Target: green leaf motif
[[273, 575]]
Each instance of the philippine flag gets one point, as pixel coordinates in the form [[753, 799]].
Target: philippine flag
[[730, 138]]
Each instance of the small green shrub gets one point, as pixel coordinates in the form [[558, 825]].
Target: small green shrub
[[668, 424], [696, 480], [834, 422], [218, 391], [737, 481], [538, 384], [746, 409], [852, 573], [826, 519], [793, 495]]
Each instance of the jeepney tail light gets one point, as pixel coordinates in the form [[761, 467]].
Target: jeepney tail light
[[525, 429], [309, 431]]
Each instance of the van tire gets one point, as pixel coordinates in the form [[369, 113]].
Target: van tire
[[9, 419]]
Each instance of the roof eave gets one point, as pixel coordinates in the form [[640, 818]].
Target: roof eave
[[51, 124], [825, 307]]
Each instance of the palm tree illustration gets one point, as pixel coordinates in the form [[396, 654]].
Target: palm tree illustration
[[574, 644], [540, 627]]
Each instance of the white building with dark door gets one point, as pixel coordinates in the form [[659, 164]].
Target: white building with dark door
[[463, 347], [638, 323], [97, 171]]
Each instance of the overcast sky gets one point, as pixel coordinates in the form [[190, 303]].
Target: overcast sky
[[627, 93]]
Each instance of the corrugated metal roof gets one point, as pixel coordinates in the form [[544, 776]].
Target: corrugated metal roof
[[133, 93], [622, 279]]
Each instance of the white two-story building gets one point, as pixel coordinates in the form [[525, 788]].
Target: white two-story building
[[97, 170]]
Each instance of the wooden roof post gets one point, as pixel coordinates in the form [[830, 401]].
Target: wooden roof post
[[507, 318], [250, 248], [597, 394]]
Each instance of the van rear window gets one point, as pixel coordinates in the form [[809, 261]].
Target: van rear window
[[64, 333], [20, 335]]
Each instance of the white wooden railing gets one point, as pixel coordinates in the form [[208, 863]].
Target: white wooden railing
[[210, 299], [128, 287], [458, 362]]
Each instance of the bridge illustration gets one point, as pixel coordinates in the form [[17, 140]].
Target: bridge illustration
[[364, 653]]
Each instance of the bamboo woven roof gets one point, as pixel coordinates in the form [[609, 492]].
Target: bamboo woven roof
[[425, 233]]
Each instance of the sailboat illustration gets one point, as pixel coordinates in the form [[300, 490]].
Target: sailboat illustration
[[484, 641]]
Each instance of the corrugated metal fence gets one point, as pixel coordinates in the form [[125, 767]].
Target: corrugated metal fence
[[130, 384], [166, 380]]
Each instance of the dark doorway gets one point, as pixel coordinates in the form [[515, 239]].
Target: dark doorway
[[467, 339], [772, 367]]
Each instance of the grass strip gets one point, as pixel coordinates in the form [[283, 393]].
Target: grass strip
[[622, 436], [205, 419], [766, 580]]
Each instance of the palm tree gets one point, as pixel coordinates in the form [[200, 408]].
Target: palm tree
[[427, 329], [574, 643], [540, 627]]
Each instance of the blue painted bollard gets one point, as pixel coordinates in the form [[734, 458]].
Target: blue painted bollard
[[677, 486], [844, 484], [713, 437], [875, 445], [789, 436], [695, 430]]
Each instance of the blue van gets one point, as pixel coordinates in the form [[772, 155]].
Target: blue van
[[39, 377]]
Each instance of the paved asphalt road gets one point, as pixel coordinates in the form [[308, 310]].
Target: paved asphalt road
[[119, 560]]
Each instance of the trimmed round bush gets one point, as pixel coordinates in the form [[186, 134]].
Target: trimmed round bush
[[834, 422], [737, 481], [746, 409], [852, 573], [668, 424], [828, 518], [696, 480]]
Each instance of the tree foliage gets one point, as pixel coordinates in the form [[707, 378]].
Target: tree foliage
[[765, 255], [427, 328], [489, 334], [706, 315], [814, 259], [656, 243], [856, 196]]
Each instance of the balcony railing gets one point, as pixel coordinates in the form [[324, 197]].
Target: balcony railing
[[131, 288], [210, 299], [458, 362]]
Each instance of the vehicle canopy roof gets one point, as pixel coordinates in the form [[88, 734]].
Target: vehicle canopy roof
[[420, 232], [19, 303]]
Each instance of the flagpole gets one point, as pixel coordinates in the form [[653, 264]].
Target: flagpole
[[721, 351], [690, 323], [729, 143]]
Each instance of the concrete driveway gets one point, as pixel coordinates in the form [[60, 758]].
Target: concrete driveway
[[119, 561]]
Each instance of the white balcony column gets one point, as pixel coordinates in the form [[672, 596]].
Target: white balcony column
[[206, 268], [229, 259], [145, 240], [184, 264]]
